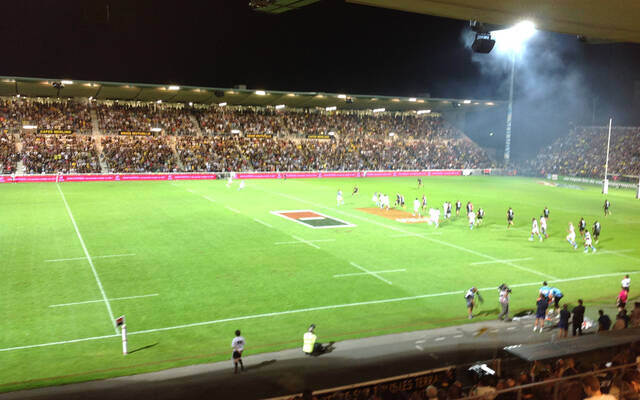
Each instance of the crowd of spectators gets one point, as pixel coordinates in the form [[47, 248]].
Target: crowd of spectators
[[583, 153], [59, 153], [116, 117], [138, 154], [259, 120], [44, 114], [237, 153], [8, 154]]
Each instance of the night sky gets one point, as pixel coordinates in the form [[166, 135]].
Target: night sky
[[330, 46]]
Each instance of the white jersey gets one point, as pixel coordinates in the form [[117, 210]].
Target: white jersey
[[534, 225], [626, 282], [238, 343], [472, 217], [587, 238], [543, 223], [241, 185], [572, 230], [416, 205], [374, 198]]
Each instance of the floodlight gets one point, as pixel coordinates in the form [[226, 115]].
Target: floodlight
[[66, 82], [222, 104], [279, 106], [412, 99], [261, 92], [342, 96], [156, 129], [513, 39], [332, 108], [173, 87], [190, 103], [489, 103], [29, 126], [467, 101], [377, 110]]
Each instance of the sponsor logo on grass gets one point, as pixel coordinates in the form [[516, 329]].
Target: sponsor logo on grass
[[313, 219]]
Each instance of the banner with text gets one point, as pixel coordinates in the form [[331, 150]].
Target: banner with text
[[55, 131], [105, 177]]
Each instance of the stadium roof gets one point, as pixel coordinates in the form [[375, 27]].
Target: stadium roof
[[593, 19], [67, 88]]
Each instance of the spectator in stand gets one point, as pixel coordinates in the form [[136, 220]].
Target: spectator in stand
[[604, 322], [578, 318], [125, 116], [8, 154], [59, 153], [138, 154], [591, 387]]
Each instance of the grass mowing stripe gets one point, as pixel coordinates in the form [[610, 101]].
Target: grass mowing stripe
[[98, 301], [319, 308], [409, 233], [86, 253]]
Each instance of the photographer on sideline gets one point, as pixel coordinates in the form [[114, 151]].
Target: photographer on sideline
[[311, 347], [505, 293]]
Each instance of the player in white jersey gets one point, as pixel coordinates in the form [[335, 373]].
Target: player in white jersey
[[229, 181], [587, 242], [339, 199], [241, 186], [472, 219], [448, 212], [237, 344], [424, 203], [534, 229], [385, 202], [444, 209], [416, 207], [375, 200], [543, 227], [571, 237], [434, 216]]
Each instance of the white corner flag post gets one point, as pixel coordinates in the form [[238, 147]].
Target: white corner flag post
[[123, 329], [605, 183]]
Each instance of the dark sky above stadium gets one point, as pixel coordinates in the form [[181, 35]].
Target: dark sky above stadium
[[330, 46]]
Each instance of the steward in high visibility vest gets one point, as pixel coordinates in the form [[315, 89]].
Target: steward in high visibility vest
[[309, 340]]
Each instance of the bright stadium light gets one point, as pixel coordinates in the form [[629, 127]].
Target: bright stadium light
[[342, 96], [261, 92], [66, 82], [280, 106], [332, 108], [412, 99], [467, 101], [423, 112], [378, 110], [191, 104], [174, 87], [224, 103], [156, 129], [513, 39], [29, 126], [159, 101]]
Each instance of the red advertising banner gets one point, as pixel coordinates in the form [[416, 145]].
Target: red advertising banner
[[106, 177]]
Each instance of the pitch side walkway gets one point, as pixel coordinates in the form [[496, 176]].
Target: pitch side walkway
[[290, 371]]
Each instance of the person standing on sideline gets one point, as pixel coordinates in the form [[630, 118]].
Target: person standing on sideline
[[504, 302], [625, 283], [563, 324], [621, 300], [578, 318], [541, 312], [604, 322], [237, 344], [470, 298]]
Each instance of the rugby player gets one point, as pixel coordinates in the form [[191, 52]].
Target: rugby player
[[587, 243], [582, 226], [534, 229], [596, 231], [543, 227], [571, 237], [509, 218]]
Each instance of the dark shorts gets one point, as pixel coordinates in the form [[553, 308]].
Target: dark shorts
[[469, 302], [556, 301], [563, 324], [509, 218], [596, 233], [236, 355], [541, 313]]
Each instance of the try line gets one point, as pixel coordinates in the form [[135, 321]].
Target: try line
[[303, 310]]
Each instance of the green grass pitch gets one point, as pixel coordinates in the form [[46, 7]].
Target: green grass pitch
[[189, 262]]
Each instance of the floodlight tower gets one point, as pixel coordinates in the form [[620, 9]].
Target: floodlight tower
[[512, 40]]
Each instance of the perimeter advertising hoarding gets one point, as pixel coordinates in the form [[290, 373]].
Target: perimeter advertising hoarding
[[106, 177], [343, 174]]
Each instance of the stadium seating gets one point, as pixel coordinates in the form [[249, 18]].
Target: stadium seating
[[114, 118], [59, 153], [44, 114], [138, 154], [8, 154]]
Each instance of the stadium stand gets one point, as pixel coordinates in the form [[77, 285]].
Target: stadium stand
[[138, 154], [116, 117], [44, 113], [8, 154], [583, 153], [59, 153]]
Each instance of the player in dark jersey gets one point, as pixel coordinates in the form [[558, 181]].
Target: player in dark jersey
[[596, 231], [509, 218], [480, 215], [469, 207], [545, 212], [355, 190], [397, 203], [458, 207], [420, 183], [582, 226], [424, 202], [606, 208]]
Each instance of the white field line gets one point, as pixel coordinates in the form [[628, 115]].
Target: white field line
[[419, 347], [209, 198], [438, 339], [98, 301], [310, 241], [306, 310], [458, 336], [86, 253], [263, 223], [305, 241], [400, 230], [94, 257], [371, 273], [232, 209], [501, 261], [403, 235], [388, 271], [618, 253]]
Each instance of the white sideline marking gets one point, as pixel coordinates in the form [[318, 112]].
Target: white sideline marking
[[365, 273], [263, 223], [439, 339], [511, 328], [310, 241], [403, 235], [374, 274], [305, 241], [84, 258], [458, 336], [420, 341], [618, 253], [232, 209], [419, 348], [98, 301], [209, 198], [86, 253], [501, 261], [305, 310], [550, 277]]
